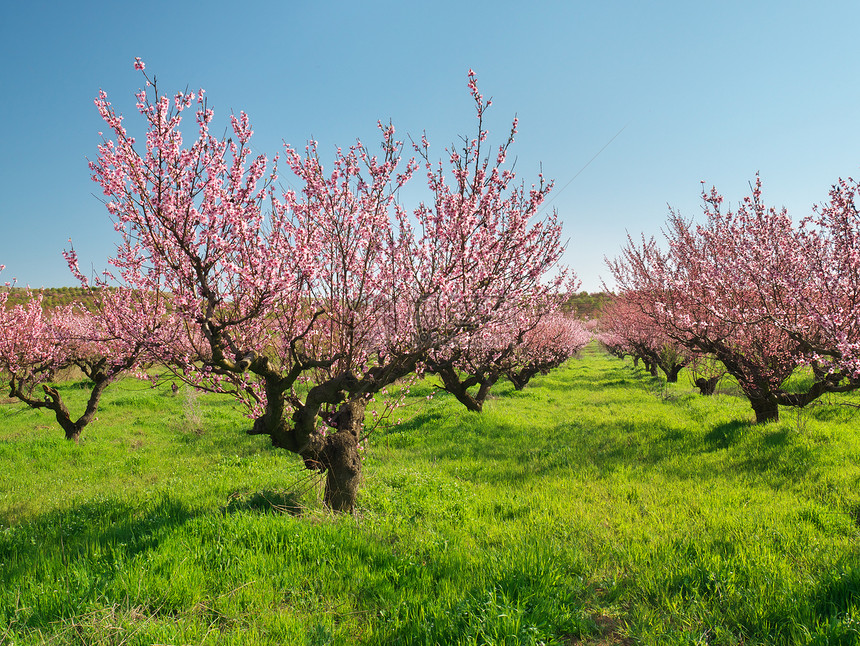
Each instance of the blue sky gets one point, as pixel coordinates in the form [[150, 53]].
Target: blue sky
[[703, 91]]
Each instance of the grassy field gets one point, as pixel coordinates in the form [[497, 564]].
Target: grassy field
[[598, 506]]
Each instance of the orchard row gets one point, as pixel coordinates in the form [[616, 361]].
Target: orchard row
[[306, 304], [749, 292]]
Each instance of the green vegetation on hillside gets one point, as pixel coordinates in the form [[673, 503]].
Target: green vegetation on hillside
[[587, 305], [597, 506], [51, 296]]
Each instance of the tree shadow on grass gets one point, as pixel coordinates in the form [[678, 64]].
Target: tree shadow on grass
[[835, 602], [778, 439], [510, 600], [775, 454], [838, 592], [265, 502], [722, 436], [77, 551]]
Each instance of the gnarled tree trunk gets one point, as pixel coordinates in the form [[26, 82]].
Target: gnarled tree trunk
[[520, 379], [341, 459], [453, 383], [651, 367], [335, 453], [53, 401], [672, 372], [766, 409]]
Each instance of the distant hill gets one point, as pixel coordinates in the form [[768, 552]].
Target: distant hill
[[587, 305], [583, 305], [51, 296]]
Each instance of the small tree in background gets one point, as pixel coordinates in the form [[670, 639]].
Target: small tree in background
[[38, 343], [555, 339], [472, 364], [633, 333], [705, 373]]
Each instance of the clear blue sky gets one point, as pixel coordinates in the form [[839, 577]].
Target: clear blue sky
[[710, 91]]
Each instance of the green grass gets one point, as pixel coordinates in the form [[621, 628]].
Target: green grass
[[597, 506]]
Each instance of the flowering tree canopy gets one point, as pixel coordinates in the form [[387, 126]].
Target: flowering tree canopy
[[827, 285], [304, 304]]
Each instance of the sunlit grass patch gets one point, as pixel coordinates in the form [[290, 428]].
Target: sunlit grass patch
[[598, 505]]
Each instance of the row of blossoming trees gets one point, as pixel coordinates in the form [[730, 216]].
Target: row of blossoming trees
[[750, 292], [304, 305]]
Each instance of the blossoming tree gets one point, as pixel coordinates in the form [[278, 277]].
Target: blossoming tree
[[554, 340], [305, 310], [36, 345], [827, 285], [472, 364], [635, 334], [738, 287]]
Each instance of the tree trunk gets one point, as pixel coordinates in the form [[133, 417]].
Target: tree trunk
[[672, 373], [467, 400], [72, 428], [707, 386], [651, 367], [766, 409], [460, 389], [73, 433], [521, 379], [341, 458], [335, 453], [756, 387], [484, 388], [53, 401]]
